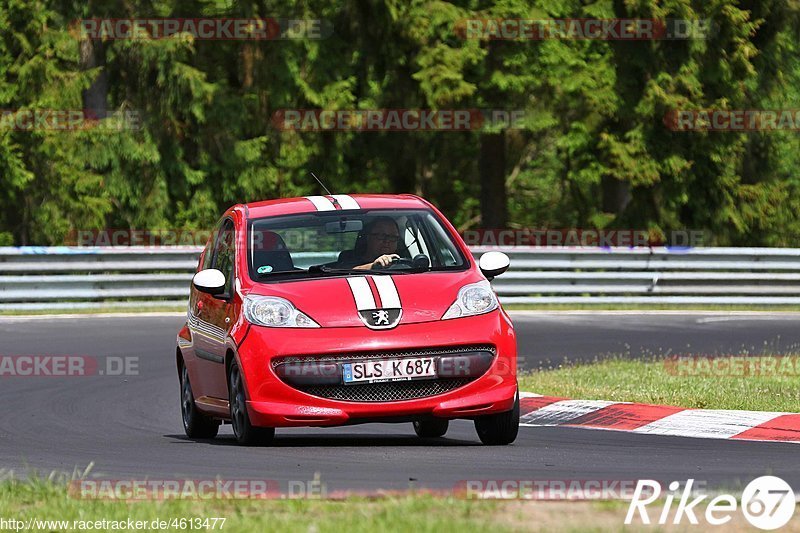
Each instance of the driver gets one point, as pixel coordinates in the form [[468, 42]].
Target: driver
[[379, 246]]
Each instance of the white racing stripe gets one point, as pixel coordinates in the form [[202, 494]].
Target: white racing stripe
[[321, 203], [346, 201], [562, 412], [390, 299], [362, 293], [709, 424]]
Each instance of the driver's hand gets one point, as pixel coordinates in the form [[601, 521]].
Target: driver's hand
[[385, 260]]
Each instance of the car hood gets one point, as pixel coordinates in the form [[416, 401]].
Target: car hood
[[345, 301]]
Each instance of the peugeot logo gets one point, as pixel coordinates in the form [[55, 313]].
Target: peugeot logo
[[381, 318]]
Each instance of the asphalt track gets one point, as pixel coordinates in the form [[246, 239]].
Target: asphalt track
[[546, 339], [130, 426]]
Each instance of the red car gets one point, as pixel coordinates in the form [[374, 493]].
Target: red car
[[335, 310]]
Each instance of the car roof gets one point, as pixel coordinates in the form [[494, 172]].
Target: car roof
[[303, 204]]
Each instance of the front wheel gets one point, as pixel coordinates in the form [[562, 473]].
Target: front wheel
[[431, 429], [195, 424], [499, 429], [246, 434]]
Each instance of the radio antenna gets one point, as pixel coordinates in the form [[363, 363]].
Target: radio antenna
[[321, 184]]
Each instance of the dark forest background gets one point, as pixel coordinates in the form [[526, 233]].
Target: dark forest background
[[592, 151]]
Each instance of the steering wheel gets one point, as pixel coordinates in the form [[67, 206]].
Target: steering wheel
[[419, 261], [400, 261]]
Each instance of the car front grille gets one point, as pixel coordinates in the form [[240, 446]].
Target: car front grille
[[362, 356], [386, 392]]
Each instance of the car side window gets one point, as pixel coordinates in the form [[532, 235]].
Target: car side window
[[225, 252], [414, 242], [208, 252]]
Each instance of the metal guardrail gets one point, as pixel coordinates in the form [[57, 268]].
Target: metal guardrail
[[33, 278], [681, 276]]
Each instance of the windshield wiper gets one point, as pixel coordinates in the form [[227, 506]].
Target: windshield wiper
[[325, 269]]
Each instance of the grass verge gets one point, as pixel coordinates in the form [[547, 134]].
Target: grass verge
[[42, 501], [651, 381]]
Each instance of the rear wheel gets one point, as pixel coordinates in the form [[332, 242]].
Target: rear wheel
[[499, 429], [246, 433], [430, 429], [195, 424]]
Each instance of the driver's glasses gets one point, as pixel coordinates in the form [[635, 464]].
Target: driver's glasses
[[385, 237]]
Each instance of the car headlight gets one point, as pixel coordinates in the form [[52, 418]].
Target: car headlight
[[473, 299], [275, 312]]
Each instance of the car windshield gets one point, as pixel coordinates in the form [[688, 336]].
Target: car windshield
[[329, 243]]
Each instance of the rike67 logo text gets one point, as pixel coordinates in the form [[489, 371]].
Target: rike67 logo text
[[767, 503]]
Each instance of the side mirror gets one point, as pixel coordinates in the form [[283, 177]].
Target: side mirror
[[210, 281], [492, 264]]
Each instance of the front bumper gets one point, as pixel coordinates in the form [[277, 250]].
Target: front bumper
[[275, 403]]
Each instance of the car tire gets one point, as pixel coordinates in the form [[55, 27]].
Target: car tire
[[246, 433], [499, 429], [195, 424], [431, 429]]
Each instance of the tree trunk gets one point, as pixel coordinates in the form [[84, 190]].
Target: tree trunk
[[95, 97], [492, 168], [616, 195], [403, 164]]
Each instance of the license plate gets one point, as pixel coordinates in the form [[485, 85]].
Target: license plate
[[389, 370]]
